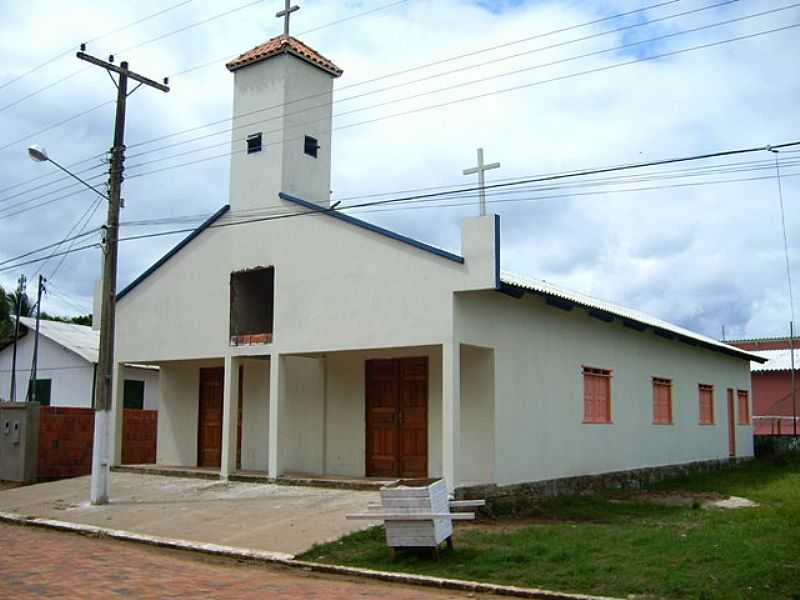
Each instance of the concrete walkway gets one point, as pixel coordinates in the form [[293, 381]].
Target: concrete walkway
[[275, 518]]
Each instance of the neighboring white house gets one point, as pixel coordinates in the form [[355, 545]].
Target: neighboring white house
[[66, 368], [322, 344]]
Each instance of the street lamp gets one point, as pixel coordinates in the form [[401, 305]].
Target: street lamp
[[98, 487], [39, 154]]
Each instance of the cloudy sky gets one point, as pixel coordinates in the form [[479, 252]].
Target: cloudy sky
[[544, 86]]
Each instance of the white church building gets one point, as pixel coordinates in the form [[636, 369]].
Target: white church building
[[323, 345]]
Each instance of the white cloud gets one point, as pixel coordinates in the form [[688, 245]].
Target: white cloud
[[702, 256]]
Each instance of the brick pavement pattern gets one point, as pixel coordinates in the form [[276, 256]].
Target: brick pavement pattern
[[38, 563]]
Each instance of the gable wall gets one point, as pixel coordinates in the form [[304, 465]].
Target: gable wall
[[71, 376], [338, 287], [539, 352]]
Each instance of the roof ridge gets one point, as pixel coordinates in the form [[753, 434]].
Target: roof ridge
[[283, 45]]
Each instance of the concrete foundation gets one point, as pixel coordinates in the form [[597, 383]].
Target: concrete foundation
[[522, 498]]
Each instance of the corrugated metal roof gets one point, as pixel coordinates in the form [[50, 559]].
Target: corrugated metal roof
[[633, 317], [777, 360], [80, 339]]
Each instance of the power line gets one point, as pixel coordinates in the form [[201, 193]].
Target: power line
[[564, 29], [97, 203], [608, 181], [90, 208], [135, 46], [14, 209], [472, 53], [481, 96], [430, 92], [56, 125], [555, 177], [419, 67], [49, 183], [95, 39]]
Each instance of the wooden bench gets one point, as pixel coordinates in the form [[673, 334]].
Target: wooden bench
[[418, 516]]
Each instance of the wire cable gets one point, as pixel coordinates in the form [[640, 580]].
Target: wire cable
[[556, 177], [480, 96], [435, 63], [92, 40]]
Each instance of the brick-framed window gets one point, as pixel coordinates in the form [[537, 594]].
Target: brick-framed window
[[662, 401], [596, 395], [743, 408], [706, 401]]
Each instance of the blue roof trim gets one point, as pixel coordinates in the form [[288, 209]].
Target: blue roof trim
[[497, 283], [205, 225], [374, 228]]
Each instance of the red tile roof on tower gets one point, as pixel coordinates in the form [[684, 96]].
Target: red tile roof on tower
[[280, 45]]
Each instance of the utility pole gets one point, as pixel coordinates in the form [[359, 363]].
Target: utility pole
[[12, 396], [105, 361], [34, 364]]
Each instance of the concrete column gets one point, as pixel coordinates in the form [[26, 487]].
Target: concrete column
[[451, 413], [117, 406], [230, 417], [277, 393]]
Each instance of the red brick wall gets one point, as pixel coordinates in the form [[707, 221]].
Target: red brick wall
[[767, 344], [66, 436], [65, 442], [139, 430]]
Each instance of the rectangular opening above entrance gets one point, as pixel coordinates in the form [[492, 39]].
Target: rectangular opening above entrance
[[252, 306]]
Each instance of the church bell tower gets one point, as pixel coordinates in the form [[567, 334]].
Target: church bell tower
[[282, 112]]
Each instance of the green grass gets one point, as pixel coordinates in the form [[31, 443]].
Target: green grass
[[612, 545]]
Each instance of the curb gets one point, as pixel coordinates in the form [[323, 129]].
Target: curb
[[288, 560]]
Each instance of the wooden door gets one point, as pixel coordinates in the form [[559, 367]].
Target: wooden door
[[413, 417], [397, 417], [209, 421], [731, 424]]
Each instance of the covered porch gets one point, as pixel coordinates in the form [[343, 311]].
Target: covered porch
[[370, 416]]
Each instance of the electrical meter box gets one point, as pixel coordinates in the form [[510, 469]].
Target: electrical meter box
[[19, 441]]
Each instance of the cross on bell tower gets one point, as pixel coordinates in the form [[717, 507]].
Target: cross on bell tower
[[285, 13], [481, 169]]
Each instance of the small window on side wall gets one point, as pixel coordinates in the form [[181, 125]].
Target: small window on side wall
[[311, 146], [596, 395], [254, 143], [662, 401], [706, 400], [743, 412]]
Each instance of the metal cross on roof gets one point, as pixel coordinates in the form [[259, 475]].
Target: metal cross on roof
[[285, 14], [480, 170]]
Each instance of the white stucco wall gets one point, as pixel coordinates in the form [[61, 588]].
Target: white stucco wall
[[477, 415], [321, 265], [178, 413], [285, 99], [255, 415], [71, 376], [539, 352]]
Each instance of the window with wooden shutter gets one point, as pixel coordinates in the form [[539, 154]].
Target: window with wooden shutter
[[706, 404], [596, 395], [662, 401], [743, 412]]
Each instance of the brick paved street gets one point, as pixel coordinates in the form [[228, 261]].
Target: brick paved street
[[38, 563]]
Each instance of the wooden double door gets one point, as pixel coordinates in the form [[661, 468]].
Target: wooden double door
[[397, 417]]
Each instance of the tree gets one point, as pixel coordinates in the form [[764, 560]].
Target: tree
[[5, 316], [24, 301]]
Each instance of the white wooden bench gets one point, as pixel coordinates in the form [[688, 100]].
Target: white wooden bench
[[417, 516]]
